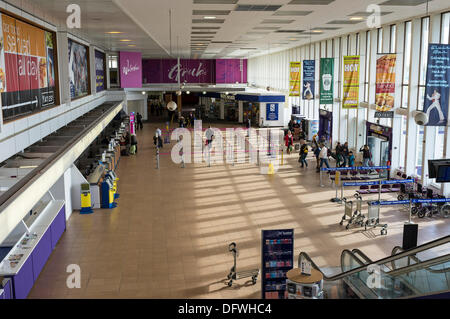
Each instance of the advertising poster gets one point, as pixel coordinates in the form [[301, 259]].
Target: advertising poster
[[201, 71], [385, 82], [130, 64], [27, 75], [78, 70], [351, 82], [231, 71], [309, 79], [272, 112], [277, 259], [437, 84], [99, 71], [326, 80], [294, 78]]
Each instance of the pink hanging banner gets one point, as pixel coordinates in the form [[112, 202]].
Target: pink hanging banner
[[130, 64]]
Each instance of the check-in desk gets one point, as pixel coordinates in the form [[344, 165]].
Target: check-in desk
[[95, 180], [28, 255]]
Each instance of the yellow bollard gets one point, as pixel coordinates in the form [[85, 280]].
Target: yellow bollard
[[271, 170]]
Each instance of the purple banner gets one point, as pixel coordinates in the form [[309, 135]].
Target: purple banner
[[99, 71], [130, 69], [166, 71], [231, 71]]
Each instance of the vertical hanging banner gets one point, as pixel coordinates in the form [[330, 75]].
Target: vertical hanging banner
[[309, 79], [294, 79], [351, 82], [326, 80], [130, 64], [385, 85], [437, 84]]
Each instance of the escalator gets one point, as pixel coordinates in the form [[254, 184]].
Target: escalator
[[414, 273]]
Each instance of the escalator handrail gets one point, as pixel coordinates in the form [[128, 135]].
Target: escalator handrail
[[356, 251], [385, 260], [424, 264], [417, 260], [346, 251]]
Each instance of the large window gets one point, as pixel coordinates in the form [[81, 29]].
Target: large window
[[366, 75], [113, 70], [380, 41], [402, 146], [406, 64], [393, 41], [423, 60], [445, 28], [28, 68]]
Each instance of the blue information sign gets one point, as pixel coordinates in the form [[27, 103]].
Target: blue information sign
[[272, 112], [277, 259]]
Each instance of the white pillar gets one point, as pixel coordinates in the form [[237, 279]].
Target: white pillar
[[92, 69], [63, 69], [222, 110]]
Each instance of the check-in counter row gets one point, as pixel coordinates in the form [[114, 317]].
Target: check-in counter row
[[28, 256]]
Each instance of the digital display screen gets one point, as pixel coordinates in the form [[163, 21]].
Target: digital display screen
[[443, 175]]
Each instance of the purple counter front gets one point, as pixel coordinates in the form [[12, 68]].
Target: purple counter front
[[24, 280]]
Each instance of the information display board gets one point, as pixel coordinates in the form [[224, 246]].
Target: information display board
[[277, 259]]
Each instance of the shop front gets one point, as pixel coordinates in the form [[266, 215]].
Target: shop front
[[379, 140]]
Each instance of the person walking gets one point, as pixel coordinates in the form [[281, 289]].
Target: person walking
[[339, 156], [181, 152], [303, 153], [139, 124], [209, 141], [351, 159], [345, 154], [367, 155], [323, 156], [289, 141]]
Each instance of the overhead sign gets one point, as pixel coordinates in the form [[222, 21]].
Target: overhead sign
[[309, 79], [326, 80], [437, 84], [385, 82], [294, 78], [351, 82], [272, 112]]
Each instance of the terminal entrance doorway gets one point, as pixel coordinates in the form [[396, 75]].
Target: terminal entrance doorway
[[379, 140]]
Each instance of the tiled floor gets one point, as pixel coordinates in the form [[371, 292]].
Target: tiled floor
[[169, 235]]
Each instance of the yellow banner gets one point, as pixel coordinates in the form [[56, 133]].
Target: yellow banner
[[294, 78], [385, 85], [350, 98]]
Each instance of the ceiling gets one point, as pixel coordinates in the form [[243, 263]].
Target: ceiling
[[241, 28]]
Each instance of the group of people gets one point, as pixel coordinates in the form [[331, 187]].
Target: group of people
[[156, 108], [186, 122]]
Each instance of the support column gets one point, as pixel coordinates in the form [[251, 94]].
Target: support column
[[92, 70], [63, 69], [241, 111], [179, 102], [222, 110]]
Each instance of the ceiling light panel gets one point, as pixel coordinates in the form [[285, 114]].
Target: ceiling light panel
[[312, 2], [291, 13], [276, 21], [366, 14], [411, 3], [206, 28], [266, 28], [261, 7], [208, 20], [344, 22], [210, 12], [215, 1]]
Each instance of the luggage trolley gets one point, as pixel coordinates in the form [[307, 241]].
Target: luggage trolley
[[236, 275], [356, 216], [373, 217]]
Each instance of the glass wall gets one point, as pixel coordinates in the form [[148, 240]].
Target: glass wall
[[414, 35]]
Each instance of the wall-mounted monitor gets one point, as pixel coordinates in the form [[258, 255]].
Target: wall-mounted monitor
[[433, 166], [443, 174]]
